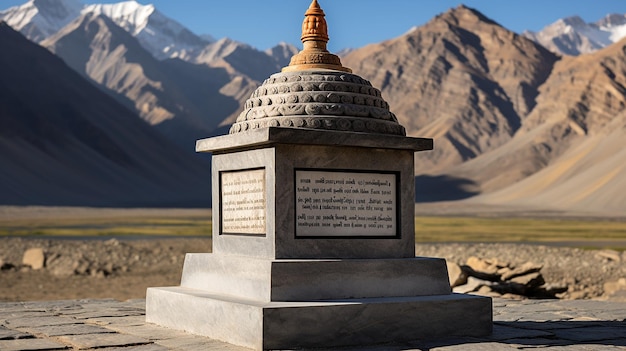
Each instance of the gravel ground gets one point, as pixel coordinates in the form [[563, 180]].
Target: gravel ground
[[123, 269]]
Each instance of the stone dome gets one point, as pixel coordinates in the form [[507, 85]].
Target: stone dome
[[318, 99], [316, 92]]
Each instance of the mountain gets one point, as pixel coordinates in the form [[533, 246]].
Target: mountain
[[241, 58], [282, 53], [160, 35], [184, 101], [590, 176], [513, 123], [461, 79], [39, 19], [184, 85], [572, 36], [65, 142], [581, 103]]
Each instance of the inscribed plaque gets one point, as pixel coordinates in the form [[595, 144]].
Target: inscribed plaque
[[345, 204], [243, 202]]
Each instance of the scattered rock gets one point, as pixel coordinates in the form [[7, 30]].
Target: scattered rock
[[531, 280], [473, 284], [527, 268], [456, 275], [615, 288], [35, 258], [5, 266], [483, 268], [611, 255], [81, 266], [491, 277], [62, 266]]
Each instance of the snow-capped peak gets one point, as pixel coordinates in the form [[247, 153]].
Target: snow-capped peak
[[38, 19], [161, 36], [572, 36], [573, 21], [612, 20], [129, 15]]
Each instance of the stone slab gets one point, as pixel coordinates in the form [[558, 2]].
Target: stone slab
[[304, 280], [285, 325], [66, 329], [272, 135], [148, 347], [37, 321], [30, 344], [9, 334], [92, 341]]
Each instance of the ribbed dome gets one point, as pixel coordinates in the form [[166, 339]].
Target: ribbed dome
[[318, 99]]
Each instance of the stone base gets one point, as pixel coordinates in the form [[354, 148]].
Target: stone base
[[266, 280], [330, 323]]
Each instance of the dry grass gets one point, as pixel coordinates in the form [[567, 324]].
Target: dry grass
[[194, 222], [522, 230]]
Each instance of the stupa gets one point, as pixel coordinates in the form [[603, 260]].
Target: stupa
[[313, 222]]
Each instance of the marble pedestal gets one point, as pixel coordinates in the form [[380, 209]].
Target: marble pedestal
[[313, 324], [314, 246], [284, 304]]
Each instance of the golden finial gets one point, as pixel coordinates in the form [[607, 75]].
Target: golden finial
[[314, 38]]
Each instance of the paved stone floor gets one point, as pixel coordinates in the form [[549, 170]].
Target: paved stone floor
[[112, 325]]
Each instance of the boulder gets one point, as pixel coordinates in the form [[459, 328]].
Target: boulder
[[486, 269], [615, 289], [473, 284], [526, 268], [34, 257], [610, 255], [456, 275], [523, 284], [62, 266]]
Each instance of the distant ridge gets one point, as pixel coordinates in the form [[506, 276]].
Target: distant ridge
[[182, 100], [461, 79], [572, 36], [64, 142]]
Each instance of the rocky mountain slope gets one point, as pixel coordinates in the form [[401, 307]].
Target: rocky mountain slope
[[183, 100], [572, 36], [571, 150], [512, 122], [461, 79], [64, 142], [184, 85], [161, 36]]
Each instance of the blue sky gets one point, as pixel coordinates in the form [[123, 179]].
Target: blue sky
[[263, 23]]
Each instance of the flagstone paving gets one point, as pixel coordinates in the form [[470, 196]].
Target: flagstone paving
[[107, 325]]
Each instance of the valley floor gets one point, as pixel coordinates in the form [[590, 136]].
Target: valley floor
[[123, 267]]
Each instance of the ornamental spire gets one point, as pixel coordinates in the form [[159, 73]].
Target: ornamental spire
[[314, 38]]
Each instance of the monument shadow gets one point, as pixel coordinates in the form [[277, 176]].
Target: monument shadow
[[444, 188]]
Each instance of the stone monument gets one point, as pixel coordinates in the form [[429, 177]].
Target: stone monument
[[313, 223]]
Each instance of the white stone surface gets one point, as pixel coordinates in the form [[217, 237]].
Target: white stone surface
[[306, 280], [288, 325]]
